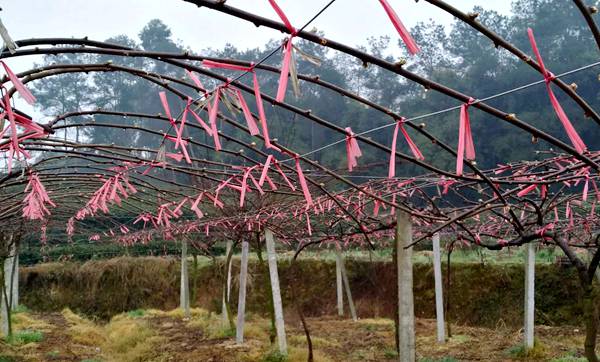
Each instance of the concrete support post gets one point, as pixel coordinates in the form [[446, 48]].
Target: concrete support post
[[277, 304], [338, 283], [241, 315], [528, 330], [406, 310], [184, 290], [439, 297]]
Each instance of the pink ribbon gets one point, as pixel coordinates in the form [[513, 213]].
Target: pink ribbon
[[176, 156], [199, 84], [466, 148], [195, 208], [213, 64], [302, 180], [446, 185], [265, 169], [308, 227], [32, 130], [280, 171], [259, 104], [244, 185], [19, 86], [413, 147], [252, 127], [261, 114], [283, 17], [527, 190], [352, 149], [34, 203], [287, 48], [562, 116], [285, 70], [197, 117], [183, 145], [212, 119], [408, 40], [165, 104]]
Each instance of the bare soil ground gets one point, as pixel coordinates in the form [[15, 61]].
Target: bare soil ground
[[167, 336]]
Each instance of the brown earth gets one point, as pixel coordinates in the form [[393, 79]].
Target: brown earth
[[167, 336]]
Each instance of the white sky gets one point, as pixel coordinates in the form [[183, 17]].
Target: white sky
[[347, 21]]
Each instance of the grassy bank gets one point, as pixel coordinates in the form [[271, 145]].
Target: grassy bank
[[482, 295]]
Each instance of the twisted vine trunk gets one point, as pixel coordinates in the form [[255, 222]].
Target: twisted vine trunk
[[590, 309], [590, 313], [298, 307], [226, 307]]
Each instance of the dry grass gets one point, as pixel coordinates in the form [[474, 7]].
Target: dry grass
[[22, 321], [154, 335], [123, 339]]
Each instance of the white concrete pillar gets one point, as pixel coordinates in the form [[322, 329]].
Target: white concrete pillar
[[277, 304], [528, 330], [406, 311], [439, 298], [239, 333], [338, 283], [347, 287], [184, 290]]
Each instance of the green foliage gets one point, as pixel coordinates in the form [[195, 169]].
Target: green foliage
[[23, 337], [274, 356], [480, 295], [569, 359], [137, 313], [21, 308], [5, 358], [83, 251], [390, 354], [443, 359], [53, 354], [521, 351]]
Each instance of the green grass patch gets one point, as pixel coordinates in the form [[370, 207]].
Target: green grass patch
[[137, 313], [521, 351], [390, 354], [443, 359], [274, 356], [25, 337], [21, 308]]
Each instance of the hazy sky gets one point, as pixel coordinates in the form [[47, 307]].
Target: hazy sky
[[348, 21]]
